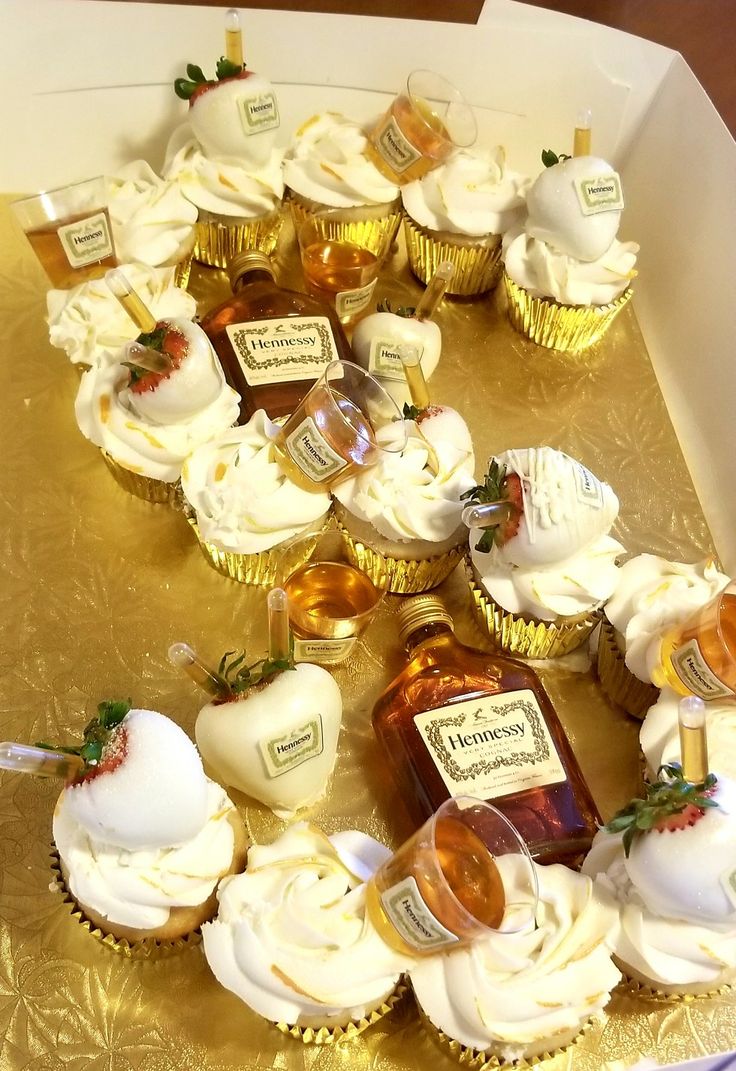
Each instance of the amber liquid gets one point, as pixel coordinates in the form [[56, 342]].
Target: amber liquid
[[423, 129], [557, 821], [258, 297], [333, 267], [467, 867], [693, 753], [47, 246], [329, 599], [714, 628]]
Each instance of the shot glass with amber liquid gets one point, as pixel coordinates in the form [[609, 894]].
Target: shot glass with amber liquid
[[466, 873], [698, 657]]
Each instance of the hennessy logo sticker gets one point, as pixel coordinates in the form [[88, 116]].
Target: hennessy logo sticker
[[405, 906], [86, 240], [384, 359], [589, 489], [289, 750], [600, 193], [694, 672], [394, 148], [309, 449], [258, 113]]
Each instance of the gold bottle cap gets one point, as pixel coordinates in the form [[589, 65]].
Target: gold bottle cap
[[421, 610], [248, 260]]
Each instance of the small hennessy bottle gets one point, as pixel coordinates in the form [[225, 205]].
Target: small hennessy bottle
[[272, 343], [457, 721]]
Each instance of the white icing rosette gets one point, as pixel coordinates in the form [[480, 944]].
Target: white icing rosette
[[520, 995], [326, 163], [243, 500], [544, 272], [660, 735], [654, 595], [91, 326], [678, 918], [292, 938], [561, 562], [228, 188], [472, 194], [152, 435], [153, 222]]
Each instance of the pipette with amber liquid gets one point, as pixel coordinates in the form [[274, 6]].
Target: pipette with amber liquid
[[137, 353], [583, 133], [40, 761]]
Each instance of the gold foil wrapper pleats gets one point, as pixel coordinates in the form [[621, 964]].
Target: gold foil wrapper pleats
[[398, 575], [477, 266], [183, 270], [96, 586], [617, 681], [220, 238], [330, 1035], [146, 487], [369, 225], [570, 328]]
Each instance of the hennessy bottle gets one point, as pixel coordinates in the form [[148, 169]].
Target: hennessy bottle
[[458, 721], [272, 343]]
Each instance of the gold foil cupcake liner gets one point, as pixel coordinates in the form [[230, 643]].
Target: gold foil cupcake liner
[[329, 1035], [532, 639], [649, 992], [148, 948], [220, 239], [477, 268], [401, 576], [146, 487], [371, 228], [617, 681], [260, 568], [570, 328], [183, 269], [479, 1059]]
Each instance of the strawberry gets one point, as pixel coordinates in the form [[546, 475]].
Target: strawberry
[[672, 822], [105, 741], [167, 340], [195, 84], [498, 486]]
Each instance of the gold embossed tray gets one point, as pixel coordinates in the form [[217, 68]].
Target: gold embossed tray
[[97, 584]]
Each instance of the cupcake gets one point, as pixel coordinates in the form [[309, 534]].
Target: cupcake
[[91, 326], [652, 595], [566, 275], [402, 517], [538, 579], [520, 996], [459, 212], [660, 735], [141, 875], [242, 505], [325, 167], [293, 941], [224, 161], [670, 861], [147, 423]]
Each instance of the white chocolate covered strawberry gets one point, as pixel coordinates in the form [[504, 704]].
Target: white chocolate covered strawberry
[[378, 342]]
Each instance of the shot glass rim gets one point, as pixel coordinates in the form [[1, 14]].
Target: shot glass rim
[[524, 851], [323, 380], [334, 213], [28, 197], [455, 97]]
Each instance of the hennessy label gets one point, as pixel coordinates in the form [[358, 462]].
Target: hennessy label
[[601, 193], [412, 918], [491, 746], [384, 359], [86, 240], [283, 350], [351, 302], [695, 673], [399, 153], [288, 750], [587, 487], [317, 650], [258, 113], [308, 448]]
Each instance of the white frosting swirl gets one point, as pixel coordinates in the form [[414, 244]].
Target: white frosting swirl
[[472, 194], [292, 938], [516, 993], [243, 500], [91, 326], [544, 272], [561, 562], [660, 734], [326, 163], [654, 595], [415, 494], [139, 887], [152, 220], [227, 188], [133, 428], [678, 925]]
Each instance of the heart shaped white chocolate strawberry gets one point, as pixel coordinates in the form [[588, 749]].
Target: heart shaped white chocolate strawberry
[[377, 344]]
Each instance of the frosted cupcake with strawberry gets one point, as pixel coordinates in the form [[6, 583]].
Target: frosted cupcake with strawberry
[[141, 875], [670, 861], [403, 516], [224, 161], [567, 276], [147, 423], [242, 505], [545, 564]]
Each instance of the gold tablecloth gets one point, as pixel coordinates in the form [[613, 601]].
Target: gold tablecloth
[[96, 585]]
